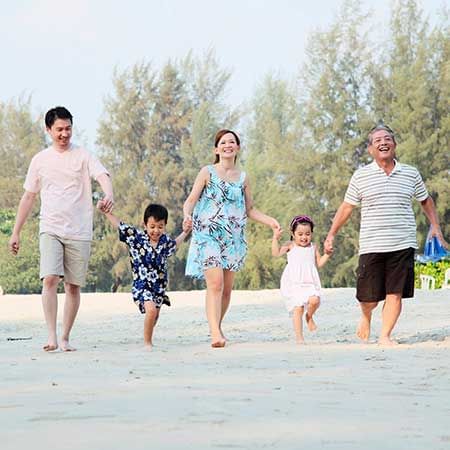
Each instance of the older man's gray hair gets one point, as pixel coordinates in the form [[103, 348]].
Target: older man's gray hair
[[378, 128]]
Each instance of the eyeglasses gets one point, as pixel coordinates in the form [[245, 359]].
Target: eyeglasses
[[299, 219]]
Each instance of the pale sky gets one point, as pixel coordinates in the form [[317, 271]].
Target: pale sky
[[64, 53]]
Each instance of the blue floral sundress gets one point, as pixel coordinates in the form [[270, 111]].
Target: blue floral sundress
[[218, 229]]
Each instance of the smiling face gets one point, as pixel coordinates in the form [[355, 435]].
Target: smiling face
[[382, 146], [61, 133], [302, 235], [227, 147], [155, 229]]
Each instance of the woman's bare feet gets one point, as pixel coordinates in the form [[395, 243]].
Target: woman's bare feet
[[218, 341], [310, 322], [363, 330]]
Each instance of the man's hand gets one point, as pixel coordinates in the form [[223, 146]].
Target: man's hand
[[14, 244], [328, 245], [438, 233], [107, 204]]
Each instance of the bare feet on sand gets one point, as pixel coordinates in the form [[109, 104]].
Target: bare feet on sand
[[50, 347], [299, 340], [66, 347], [387, 342], [363, 330], [148, 346], [218, 342], [310, 322]]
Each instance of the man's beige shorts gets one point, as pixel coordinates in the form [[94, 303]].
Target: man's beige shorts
[[65, 258]]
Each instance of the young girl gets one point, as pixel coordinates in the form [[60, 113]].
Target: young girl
[[300, 282], [217, 208]]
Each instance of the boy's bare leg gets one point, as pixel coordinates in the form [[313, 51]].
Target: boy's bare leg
[[391, 312], [297, 320], [214, 290], [313, 305], [151, 316], [50, 307], [363, 330], [71, 307], [228, 280]]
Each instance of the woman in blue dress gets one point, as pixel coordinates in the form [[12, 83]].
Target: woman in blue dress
[[217, 208]]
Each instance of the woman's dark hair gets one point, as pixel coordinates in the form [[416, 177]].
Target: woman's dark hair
[[219, 135]]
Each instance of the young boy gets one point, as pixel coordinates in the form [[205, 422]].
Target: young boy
[[149, 250]]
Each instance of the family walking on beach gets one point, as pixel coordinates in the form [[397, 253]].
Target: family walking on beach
[[216, 212]]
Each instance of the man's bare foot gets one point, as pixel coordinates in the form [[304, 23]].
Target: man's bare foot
[[387, 341], [363, 330], [50, 347], [148, 346], [299, 340], [66, 347], [310, 322]]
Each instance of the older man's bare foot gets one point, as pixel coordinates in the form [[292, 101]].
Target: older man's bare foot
[[310, 322], [387, 342], [50, 347], [363, 330], [66, 347]]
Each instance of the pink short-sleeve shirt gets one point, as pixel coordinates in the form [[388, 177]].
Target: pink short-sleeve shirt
[[64, 182]]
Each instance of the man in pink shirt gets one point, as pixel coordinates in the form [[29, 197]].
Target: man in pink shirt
[[62, 175]]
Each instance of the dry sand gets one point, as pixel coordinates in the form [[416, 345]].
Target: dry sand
[[261, 391]]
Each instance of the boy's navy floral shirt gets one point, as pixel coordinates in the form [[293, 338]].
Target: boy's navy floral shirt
[[149, 265]]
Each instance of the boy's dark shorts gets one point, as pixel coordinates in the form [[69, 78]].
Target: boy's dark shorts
[[385, 273]]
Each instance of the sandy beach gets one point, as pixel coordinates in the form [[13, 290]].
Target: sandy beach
[[261, 391]]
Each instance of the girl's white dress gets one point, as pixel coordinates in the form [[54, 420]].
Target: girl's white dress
[[300, 279]]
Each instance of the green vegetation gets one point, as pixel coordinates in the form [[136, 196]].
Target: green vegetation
[[302, 139], [436, 270]]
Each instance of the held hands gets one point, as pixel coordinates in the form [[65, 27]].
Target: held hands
[[102, 206], [277, 232], [328, 245], [273, 223], [106, 204], [187, 223]]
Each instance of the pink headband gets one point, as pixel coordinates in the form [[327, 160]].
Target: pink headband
[[299, 219]]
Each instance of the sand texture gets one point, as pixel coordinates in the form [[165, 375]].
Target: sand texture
[[262, 391]]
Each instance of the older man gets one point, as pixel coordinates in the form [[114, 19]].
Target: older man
[[62, 175], [384, 189]]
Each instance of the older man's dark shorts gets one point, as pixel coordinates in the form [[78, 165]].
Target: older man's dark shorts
[[385, 273]]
